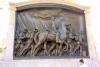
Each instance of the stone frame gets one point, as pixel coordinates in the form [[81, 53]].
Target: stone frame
[[12, 9]]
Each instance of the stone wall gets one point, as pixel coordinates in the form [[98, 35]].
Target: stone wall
[[7, 27]]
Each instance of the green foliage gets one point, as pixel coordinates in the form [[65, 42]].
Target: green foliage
[[1, 50]]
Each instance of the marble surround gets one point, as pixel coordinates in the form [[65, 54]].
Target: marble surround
[[6, 60]]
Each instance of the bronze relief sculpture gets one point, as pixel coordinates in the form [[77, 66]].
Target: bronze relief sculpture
[[42, 32]]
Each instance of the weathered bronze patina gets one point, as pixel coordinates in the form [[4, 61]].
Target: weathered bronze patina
[[50, 31]]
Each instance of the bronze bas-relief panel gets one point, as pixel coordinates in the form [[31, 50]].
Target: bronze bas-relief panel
[[50, 32]]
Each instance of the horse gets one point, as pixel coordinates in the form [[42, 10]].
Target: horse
[[45, 36]]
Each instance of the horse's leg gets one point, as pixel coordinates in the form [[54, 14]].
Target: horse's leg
[[66, 49], [53, 52], [57, 49], [36, 51], [60, 47], [35, 38], [32, 47], [35, 47], [51, 48], [45, 48]]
